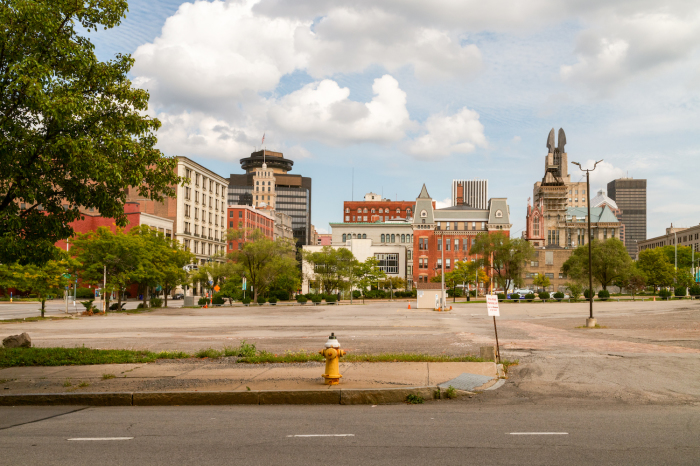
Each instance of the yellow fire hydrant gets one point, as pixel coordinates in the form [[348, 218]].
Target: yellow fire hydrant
[[332, 353]]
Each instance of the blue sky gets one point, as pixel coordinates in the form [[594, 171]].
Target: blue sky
[[411, 92]]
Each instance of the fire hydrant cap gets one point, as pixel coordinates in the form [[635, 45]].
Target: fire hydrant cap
[[332, 342]]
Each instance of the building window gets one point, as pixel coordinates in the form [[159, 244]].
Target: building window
[[344, 237], [364, 236], [562, 275], [382, 238], [447, 244], [447, 226], [372, 210], [465, 244], [403, 238], [437, 226], [393, 238], [549, 258], [347, 218], [364, 219], [499, 214], [534, 263], [347, 211], [456, 244], [447, 263], [549, 275], [483, 225], [439, 244], [439, 264], [536, 227], [398, 211], [365, 211], [408, 254], [389, 263], [423, 213]]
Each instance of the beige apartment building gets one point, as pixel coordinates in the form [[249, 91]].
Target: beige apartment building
[[674, 235]]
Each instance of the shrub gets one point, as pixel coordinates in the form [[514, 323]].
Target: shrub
[[156, 302], [113, 307], [680, 291], [330, 298], [514, 296], [545, 295], [246, 300], [357, 294], [558, 295], [272, 300], [664, 294], [456, 293], [261, 300], [501, 296], [202, 301], [142, 306], [316, 298], [217, 299], [530, 297], [604, 295], [451, 392], [414, 399], [586, 294], [89, 308], [694, 290], [301, 299], [85, 293], [280, 295], [472, 293]]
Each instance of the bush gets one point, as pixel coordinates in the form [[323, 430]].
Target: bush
[[454, 293], [156, 302], [694, 290], [680, 291], [217, 299], [301, 299], [514, 296], [501, 296], [272, 300], [202, 301], [357, 294], [545, 295], [261, 300], [530, 297], [316, 298], [330, 298], [559, 295], [245, 300], [604, 295], [472, 293], [586, 294], [664, 294], [113, 307], [142, 306], [280, 295], [85, 293]]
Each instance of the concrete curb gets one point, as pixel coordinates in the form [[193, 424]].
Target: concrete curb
[[254, 397]]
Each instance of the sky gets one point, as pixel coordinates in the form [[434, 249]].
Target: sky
[[406, 92]]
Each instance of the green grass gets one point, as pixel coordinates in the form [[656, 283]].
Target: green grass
[[414, 399], [84, 384], [108, 376], [451, 392], [12, 357], [31, 319], [67, 383]]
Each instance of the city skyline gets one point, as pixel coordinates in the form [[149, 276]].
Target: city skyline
[[479, 109]]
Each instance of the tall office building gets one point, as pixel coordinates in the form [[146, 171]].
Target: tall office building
[[473, 193], [630, 195], [266, 182]]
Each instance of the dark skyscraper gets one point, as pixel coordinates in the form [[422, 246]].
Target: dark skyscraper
[[630, 195]]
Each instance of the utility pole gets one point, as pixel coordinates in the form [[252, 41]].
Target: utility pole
[[590, 322], [443, 299], [104, 290]]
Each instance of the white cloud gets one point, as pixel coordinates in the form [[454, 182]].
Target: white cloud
[[323, 111], [461, 132], [447, 202], [604, 172]]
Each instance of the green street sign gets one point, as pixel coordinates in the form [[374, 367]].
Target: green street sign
[[67, 275]]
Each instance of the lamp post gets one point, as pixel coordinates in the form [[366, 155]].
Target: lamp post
[[590, 322]]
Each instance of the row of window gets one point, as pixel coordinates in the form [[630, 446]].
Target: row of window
[[349, 236], [396, 238], [381, 211], [213, 185], [455, 225], [202, 248], [548, 275]]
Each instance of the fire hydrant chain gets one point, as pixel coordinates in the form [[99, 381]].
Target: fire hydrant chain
[[332, 353]]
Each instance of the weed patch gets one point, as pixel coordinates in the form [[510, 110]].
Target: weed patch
[[451, 392], [67, 383], [108, 376], [414, 399], [83, 384]]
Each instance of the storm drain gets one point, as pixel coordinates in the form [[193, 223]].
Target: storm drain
[[467, 382]]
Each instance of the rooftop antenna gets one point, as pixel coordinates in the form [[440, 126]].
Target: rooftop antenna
[[352, 189]]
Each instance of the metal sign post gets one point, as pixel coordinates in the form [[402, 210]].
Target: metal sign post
[[492, 307]]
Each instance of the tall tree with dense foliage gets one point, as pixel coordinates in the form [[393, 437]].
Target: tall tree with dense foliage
[[610, 262], [75, 133], [465, 273], [541, 281], [331, 267], [505, 256], [656, 267], [368, 273], [261, 260], [685, 255]]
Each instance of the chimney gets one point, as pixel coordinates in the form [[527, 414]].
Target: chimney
[[460, 193]]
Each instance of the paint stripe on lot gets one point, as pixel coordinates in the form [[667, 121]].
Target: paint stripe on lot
[[539, 433], [100, 438], [323, 435]]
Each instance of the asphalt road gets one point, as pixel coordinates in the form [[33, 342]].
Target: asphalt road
[[440, 432], [56, 307]]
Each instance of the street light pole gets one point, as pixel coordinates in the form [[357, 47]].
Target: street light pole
[[442, 298], [590, 322]]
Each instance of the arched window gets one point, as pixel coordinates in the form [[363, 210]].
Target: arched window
[[499, 214], [364, 235], [408, 211], [403, 238], [536, 227], [382, 237], [344, 237], [365, 210], [257, 183], [347, 211], [393, 239], [372, 210], [354, 235], [359, 211], [381, 211], [398, 211]]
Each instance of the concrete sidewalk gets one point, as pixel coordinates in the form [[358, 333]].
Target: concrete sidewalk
[[208, 376]]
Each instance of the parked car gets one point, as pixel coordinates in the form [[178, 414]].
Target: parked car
[[523, 292], [178, 296]]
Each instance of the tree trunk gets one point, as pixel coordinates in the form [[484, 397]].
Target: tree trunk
[[166, 292], [43, 306], [145, 295], [119, 300]]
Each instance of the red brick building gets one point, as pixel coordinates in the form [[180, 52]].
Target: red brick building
[[247, 217], [453, 229], [374, 209]]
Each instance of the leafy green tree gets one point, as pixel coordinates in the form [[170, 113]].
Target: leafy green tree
[[368, 273], [450, 282], [331, 267], [656, 267], [634, 281], [575, 289], [43, 280], [170, 258], [610, 262], [465, 272], [75, 133], [505, 256], [684, 278], [120, 253], [685, 255], [260, 260], [394, 283], [542, 281]]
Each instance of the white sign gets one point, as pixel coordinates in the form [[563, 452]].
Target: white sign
[[492, 305]]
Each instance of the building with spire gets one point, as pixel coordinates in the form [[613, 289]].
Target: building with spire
[[268, 184]]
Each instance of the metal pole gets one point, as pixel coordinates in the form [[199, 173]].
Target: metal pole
[[442, 299], [590, 253], [498, 349], [104, 290], [675, 252]]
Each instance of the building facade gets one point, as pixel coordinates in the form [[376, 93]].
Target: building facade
[[243, 217], [267, 182], [374, 209], [631, 197], [474, 193], [197, 210], [450, 233], [674, 235]]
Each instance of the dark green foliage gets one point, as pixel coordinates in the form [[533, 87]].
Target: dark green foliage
[[472, 293], [142, 306], [586, 293], [301, 299], [316, 298], [502, 296], [694, 290], [217, 299], [545, 295], [272, 300], [357, 294], [261, 300], [680, 291], [604, 295], [414, 399], [558, 295], [246, 300], [664, 294], [456, 293], [530, 297], [202, 301], [156, 302], [85, 293], [514, 296], [11, 357], [280, 295], [330, 298]]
